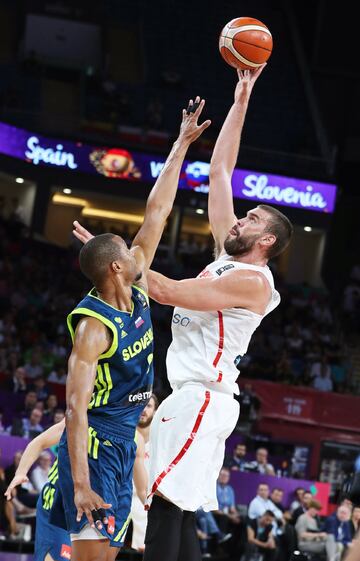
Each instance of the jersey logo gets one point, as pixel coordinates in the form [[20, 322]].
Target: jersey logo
[[224, 268], [119, 321], [123, 334], [111, 524], [163, 420], [138, 322], [107, 443], [65, 551]]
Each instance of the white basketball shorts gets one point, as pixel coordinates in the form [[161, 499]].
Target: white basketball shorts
[[187, 445]]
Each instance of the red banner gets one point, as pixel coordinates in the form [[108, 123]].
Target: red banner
[[305, 405]]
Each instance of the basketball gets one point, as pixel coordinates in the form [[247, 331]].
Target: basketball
[[245, 43]]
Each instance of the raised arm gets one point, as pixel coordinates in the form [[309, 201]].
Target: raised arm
[[242, 288], [162, 195], [32, 452], [223, 161], [91, 340]]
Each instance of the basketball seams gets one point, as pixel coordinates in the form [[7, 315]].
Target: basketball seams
[[252, 45]]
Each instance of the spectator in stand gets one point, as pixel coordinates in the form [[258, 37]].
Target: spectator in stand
[[58, 376], [298, 497], [285, 535], [25, 492], [323, 382], [249, 403], [59, 414], [27, 427], [262, 503], [226, 515], [355, 523], [29, 403], [17, 382], [39, 386], [283, 369], [34, 367], [51, 405], [237, 461], [261, 464], [306, 500], [318, 367], [40, 474], [260, 538], [310, 538], [338, 524], [209, 528]]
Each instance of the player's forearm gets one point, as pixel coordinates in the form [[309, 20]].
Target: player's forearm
[[159, 287], [162, 195], [227, 146], [29, 457], [48, 438], [77, 436]]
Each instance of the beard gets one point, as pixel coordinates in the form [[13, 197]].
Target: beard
[[239, 245], [145, 423]]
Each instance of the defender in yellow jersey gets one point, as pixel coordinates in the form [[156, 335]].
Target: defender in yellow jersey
[[110, 370]]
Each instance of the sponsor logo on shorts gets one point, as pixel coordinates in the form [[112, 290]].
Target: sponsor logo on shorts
[[65, 551], [224, 268], [107, 443], [111, 525], [163, 420]]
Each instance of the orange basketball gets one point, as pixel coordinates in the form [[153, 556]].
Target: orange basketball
[[245, 43]]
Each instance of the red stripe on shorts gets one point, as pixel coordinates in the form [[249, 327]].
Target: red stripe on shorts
[[221, 339], [186, 446]]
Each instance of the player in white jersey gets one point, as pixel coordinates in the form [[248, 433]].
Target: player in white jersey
[[138, 513], [214, 318]]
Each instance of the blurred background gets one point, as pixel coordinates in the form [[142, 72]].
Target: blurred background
[[90, 104]]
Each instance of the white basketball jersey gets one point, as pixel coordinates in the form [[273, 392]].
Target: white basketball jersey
[[207, 346]]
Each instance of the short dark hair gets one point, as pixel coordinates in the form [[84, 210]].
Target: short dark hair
[[96, 256], [281, 227], [277, 489], [269, 513]]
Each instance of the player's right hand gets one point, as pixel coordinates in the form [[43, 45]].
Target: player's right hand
[[189, 129], [92, 505], [81, 233], [17, 480]]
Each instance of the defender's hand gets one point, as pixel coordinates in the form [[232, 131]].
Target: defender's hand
[[17, 480], [189, 129], [81, 233], [247, 79], [92, 505]]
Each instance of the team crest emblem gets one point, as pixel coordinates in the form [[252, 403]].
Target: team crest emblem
[[119, 321]]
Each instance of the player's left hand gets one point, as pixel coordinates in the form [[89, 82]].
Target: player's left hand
[[81, 233], [92, 505], [247, 79], [189, 129]]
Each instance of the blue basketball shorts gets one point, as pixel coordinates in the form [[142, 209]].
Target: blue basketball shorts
[[111, 462]]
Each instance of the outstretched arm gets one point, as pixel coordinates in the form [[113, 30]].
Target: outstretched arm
[[238, 289], [32, 452], [161, 199], [162, 195], [223, 161]]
